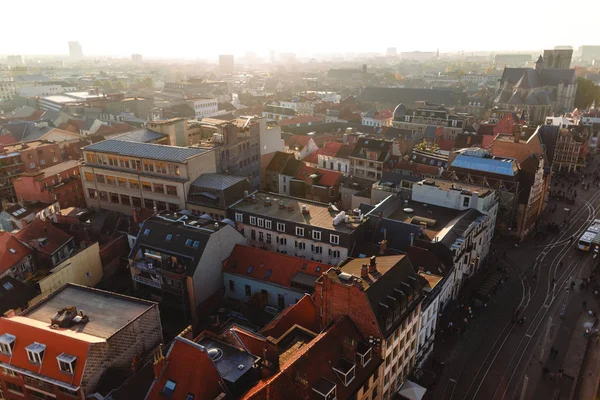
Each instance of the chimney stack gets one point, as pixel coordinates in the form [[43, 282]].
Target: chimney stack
[[159, 361], [364, 271], [373, 265], [382, 247], [412, 239], [380, 215]]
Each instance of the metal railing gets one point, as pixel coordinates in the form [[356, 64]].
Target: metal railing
[[146, 281]]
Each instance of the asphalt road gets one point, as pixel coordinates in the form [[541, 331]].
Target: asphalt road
[[494, 356]]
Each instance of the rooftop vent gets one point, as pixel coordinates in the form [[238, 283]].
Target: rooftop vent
[[305, 209], [344, 276], [215, 353]]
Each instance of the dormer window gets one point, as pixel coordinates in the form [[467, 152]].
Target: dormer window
[[325, 388], [7, 344], [345, 370], [364, 352], [66, 363], [35, 352]]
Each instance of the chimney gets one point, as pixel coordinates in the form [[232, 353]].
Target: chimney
[[412, 239], [475, 199], [159, 361], [373, 265], [364, 271], [516, 133], [380, 215], [382, 247]]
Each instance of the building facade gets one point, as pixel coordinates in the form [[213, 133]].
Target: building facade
[[121, 176], [368, 156]]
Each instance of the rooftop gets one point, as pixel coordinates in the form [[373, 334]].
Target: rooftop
[[11, 251], [19, 211], [55, 169], [431, 219], [14, 294], [145, 150], [319, 214], [140, 136], [483, 161], [107, 312], [463, 188], [46, 237]]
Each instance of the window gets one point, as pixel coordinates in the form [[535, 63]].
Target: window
[[334, 239], [300, 245], [248, 290], [114, 198], [267, 224], [103, 195], [169, 237], [317, 249], [148, 166], [122, 182], [261, 237], [159, 188], [92, 194], [171, 190], [169, 388], [190, 396], [146, 232], [14, 387], [146, 186], [299, 231], [9, 372], [253, 234], [7, 343], [89, 177], [261, 222], [269, 236], [231, 286], [239, 217], [283, 241], [136, 202], [252, 220], [280, 227], [316, 235], [189, 242], [335, 254], [66, 363], [111, 180], [35, 352], [196, 244], [466, 201], [134, 184], [125, 200], [100, 178]]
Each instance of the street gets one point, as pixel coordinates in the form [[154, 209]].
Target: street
[[497, 357]]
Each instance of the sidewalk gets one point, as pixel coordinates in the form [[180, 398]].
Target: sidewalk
[[589, 378]]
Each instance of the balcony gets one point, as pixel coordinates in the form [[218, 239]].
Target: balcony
[[147, 281], [161, 268], [36, 383]]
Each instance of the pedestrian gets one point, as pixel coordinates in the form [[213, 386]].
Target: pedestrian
[[545, 371], [555, 354], [585, 304], [552, 350], [560, 372]]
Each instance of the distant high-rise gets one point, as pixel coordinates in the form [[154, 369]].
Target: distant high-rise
[[272, 57], [558, 58], [75, 51], [590, 53], [136, 58], [391, 52], [14, 61], [226, 63]]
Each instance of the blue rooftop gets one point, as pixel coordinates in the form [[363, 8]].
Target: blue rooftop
[[495, 165]]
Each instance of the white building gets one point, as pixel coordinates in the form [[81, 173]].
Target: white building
[[305, 229], [206, 107], [8, 89], [282, 280], [301, 107], [377, 119], [46, 90]]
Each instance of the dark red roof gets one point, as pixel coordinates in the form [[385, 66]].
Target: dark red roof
[[304, 313], [11, 251], [446, 144], [7, 139], [301, 119], [283, 267], [114, 128], [486, 129], [38, 229], [191, 368], [330, 149], [325, 177]]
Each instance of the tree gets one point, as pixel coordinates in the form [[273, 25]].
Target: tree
[[119, 86], [148, 82], [587, 93]]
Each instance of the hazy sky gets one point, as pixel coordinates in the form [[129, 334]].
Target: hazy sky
[[203, 29]]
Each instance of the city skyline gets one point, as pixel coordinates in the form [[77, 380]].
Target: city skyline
[[259, 30]]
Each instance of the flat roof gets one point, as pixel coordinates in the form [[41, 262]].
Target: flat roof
[[145, 150], [55, 169], [107, 312], [319, 214], [384, 264], [436, 217], [447, 186]]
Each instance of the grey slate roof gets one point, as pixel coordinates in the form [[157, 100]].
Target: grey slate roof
[[369, 144], [460, 225], [87, 124], [535, 78], [25, 131], [146, 150], [408, 96], [217, 181], [140, 136]]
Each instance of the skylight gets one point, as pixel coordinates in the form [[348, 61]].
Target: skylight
[[12, 250], [169, 237], [196, 244], [268, 275], [188, 242], [146, 232], [251, 269], [7, 285]]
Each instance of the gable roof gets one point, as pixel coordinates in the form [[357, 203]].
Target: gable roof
[[409, 96], [14, 294], [324, 177], [298, 141], [330, 149], [304, 313], [278, 161], [37, 230], [188, 364], [140, 136], [146, 150], [291, 167], [370, 144], [300, 119], [284, 268]]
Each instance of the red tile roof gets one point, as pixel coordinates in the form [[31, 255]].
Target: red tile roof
[[38, 229], [486, 129], [487, 141], [65, 126], [7, 139], [298, 141], [385, 114], [301, 119], [191, 368], [56, 344], [315, 361], [283, 267], [330, 149], [7, 257], [304, 313], [327, 177], [114, 128]]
